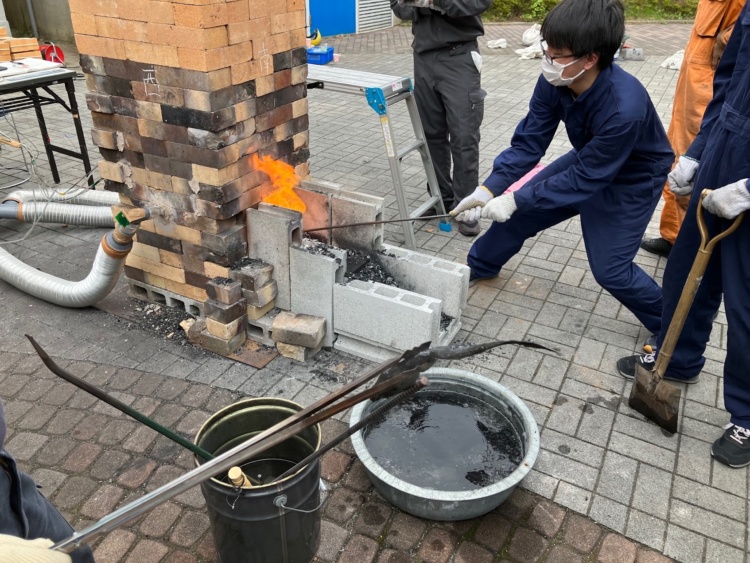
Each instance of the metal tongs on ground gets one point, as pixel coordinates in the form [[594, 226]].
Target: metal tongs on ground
[[400, 376]]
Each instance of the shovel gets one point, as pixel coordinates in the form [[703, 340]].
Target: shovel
[[651, 396]]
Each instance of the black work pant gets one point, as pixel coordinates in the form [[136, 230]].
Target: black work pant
[[447, 89]]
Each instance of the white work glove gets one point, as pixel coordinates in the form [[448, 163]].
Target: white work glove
[[469, 208], [19, 550], [501, 208], [728, 201], [682, 177]]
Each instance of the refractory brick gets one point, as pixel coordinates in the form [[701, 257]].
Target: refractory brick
[[253, 276], [298, 330], [261, 296], [382, 314]]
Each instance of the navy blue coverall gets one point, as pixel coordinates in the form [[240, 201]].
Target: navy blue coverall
[[612, 178], [723, 149], [24, 512]]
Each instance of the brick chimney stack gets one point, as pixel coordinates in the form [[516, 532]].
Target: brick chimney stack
[[181, 92]]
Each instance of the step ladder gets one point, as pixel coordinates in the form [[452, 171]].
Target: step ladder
[[381, 92]]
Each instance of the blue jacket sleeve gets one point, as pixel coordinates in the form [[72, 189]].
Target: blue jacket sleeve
[[722, 78], [529, 143], [462, 8], [599, 162]]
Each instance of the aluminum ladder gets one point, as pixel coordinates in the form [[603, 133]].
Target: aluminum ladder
[[381, 92]]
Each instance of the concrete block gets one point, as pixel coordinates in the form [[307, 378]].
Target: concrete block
[[352, 207], [429, 275], [262, 296], [313, 277], [254, 313], [222, 312], [261, 330], [385, 315], [270, 233], [224, 290], [448, 333], [297, 353], [226, 331], [299, 330], [221, 346], [254, 275], [147, 292], [362, 349]]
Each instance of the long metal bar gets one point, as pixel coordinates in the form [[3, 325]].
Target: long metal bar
[[427, 218], [219, 464]]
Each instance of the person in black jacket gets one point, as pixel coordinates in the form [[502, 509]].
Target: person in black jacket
[[447, 89]]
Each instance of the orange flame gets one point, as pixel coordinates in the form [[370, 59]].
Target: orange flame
[[284, 178]]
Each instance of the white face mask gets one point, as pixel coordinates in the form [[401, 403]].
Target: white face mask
[[553, 72]]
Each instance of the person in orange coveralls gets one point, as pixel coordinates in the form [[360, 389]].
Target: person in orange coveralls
[[713, 26]]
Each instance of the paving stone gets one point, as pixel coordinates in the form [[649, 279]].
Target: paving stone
[[437, 546], [189, 528], [616, 549], [147, 551], [652, 491], [469, 552], [517, 506], [360, 549], [527, 546], [114, 545], [160, 520], [707, 523], [392, 556], [684, 545], [372, 518], [405, 532], [332, 540], [82, 457], [333, 466], [581, 533], [102, 502], [546, 518], [609, 513], [646, 556], [716, 551], [342, 504], [24, 445], [573, 497], [136, 472], [493, 532], [646, 529], [563, 554], [617, 477]]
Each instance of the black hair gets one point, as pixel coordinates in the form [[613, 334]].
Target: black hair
[[586, 27]]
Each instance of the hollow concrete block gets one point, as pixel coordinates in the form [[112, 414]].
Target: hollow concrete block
[[271, 231], [382, 314], [429, 275], [313, 277]]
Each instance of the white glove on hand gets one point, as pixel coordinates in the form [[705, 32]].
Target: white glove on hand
[[728, 201], [682, 178], [19, 550], [501, 208], [469, 208]]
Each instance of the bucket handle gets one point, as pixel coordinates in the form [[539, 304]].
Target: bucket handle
[[280, 501]]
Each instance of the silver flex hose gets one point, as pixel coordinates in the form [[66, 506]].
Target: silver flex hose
[[78, 196]]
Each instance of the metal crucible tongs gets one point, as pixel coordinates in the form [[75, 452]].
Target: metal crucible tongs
[[395, 376]]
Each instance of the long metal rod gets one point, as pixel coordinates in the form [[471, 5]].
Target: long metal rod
[[366, 223], [235, 456], [421, 383]]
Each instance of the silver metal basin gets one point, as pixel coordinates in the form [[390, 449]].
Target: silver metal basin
[[455, 505]]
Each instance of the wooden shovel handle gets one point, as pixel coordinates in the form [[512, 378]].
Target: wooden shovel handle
[[691, 286]]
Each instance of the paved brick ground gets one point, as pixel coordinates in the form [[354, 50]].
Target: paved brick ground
[[607, 485]]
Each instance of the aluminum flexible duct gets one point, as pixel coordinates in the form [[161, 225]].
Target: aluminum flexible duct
[[79, 197], [63, 213], [108, 264]]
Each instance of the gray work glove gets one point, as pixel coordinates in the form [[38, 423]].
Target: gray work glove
[[728, 201], [469, 208], [682, 177], [501, 208]]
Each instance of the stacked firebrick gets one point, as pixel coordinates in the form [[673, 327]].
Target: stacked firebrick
[[181, 92]]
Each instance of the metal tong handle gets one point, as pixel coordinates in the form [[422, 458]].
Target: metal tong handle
[[305, 418]]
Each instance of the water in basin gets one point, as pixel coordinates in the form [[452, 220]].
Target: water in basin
[[447, 441]]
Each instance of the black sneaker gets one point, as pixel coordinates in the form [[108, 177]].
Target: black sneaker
[[626, 367], [657, 245], [429, 212], [733, 448]]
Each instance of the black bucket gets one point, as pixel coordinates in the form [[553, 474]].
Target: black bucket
[[276, 522]]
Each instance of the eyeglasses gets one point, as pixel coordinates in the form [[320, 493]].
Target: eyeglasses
[[550, 58]]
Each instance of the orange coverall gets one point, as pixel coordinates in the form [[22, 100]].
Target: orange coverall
[[714, 21]]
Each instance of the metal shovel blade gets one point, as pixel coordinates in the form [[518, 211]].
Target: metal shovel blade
[[655, 398]]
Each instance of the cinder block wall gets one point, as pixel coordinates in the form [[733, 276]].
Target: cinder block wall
[[181, 92]]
